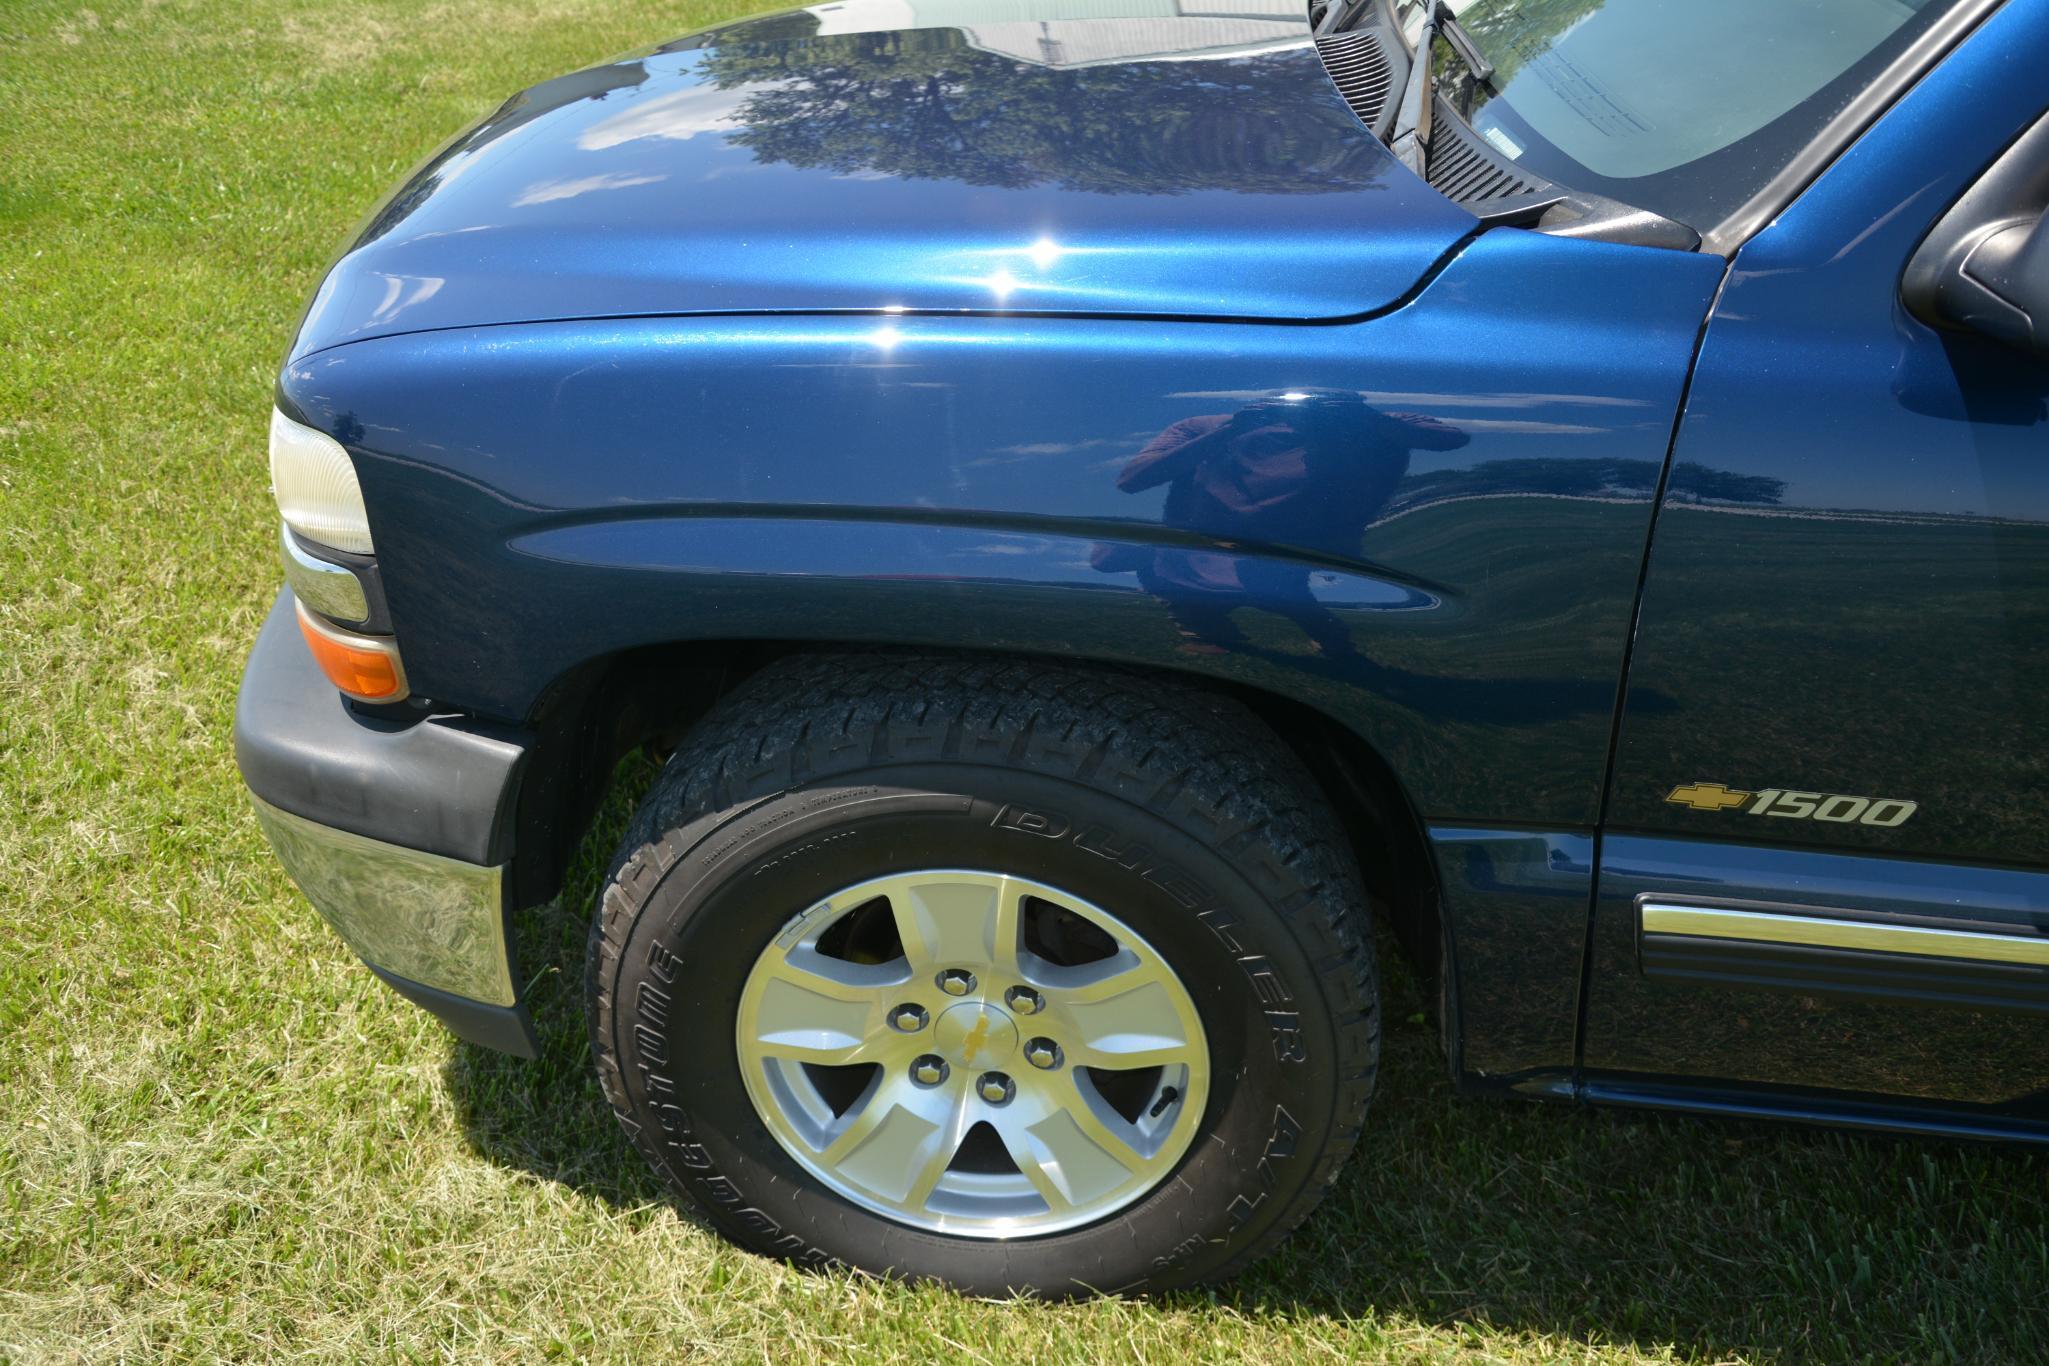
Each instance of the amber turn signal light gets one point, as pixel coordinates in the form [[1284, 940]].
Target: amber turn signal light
[[364, 667]]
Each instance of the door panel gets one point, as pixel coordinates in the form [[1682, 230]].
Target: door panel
[[1851, 660], [1874, 621], [1870, 1021]]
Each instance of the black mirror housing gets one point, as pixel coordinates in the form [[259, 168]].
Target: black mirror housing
[[1985, 266]]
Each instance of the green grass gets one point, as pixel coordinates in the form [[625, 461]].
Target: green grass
[[219, 1136]]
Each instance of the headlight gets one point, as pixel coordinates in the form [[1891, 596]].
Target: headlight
[[315, 484]]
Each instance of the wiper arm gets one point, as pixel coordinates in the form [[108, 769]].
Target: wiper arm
[[1336, 15], [1409, 138], [1455, 33]]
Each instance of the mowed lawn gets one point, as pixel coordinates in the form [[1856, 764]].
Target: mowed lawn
[[219, 1136]]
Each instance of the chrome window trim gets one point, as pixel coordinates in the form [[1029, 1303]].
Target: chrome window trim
[[430, 919], [1820, 930], [328, 589]]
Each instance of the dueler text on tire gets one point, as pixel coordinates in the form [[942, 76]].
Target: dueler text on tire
[[1022, 977]]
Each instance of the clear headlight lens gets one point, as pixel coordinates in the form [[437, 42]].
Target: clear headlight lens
[[315, 484]]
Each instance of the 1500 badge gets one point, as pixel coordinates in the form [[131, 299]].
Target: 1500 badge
[[1837, 808]]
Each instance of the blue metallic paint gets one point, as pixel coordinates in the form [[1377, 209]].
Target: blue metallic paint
[[1424, 516], [1517, 901], [1881, 628], [1881, 625], [900, 170], [1446, 568]]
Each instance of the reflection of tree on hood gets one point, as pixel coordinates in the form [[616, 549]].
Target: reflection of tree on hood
[[924, 104]]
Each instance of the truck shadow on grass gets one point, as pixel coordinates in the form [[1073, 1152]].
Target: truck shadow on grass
[[1570, 1229]]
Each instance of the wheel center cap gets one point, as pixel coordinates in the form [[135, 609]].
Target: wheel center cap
[[976, 1034]]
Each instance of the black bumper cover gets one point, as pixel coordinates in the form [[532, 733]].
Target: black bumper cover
[[443, 785]]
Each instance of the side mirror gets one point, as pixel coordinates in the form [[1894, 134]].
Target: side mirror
[[1985, 266]]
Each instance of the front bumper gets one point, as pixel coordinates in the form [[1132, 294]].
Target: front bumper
[[399, 833]]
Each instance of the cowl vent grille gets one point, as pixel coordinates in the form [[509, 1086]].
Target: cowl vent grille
[[1467, 173], [1358, 66]]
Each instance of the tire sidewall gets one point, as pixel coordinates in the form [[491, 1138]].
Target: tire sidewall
[[735, 878]]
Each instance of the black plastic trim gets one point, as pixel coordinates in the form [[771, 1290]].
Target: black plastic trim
[[1806, 1107], [1370, 64], [1466, 170], [442, 784], [508, 1029], [1947, 282], [1359, 65]]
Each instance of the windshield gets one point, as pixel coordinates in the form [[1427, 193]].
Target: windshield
[[1683, 107]]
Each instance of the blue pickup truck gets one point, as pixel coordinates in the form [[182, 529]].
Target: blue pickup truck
[[1112, 509]]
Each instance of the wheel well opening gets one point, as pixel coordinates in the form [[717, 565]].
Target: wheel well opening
[[1386, 833], [603, 711]]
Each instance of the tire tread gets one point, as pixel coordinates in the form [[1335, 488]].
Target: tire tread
[[1195, 758]]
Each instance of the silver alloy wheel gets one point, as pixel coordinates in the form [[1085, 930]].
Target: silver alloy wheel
[[815, 1024]]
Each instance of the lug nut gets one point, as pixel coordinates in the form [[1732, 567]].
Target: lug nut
[[929, 1070], [1024, 1000], [908, 1018], [996, 1088], [1043, 1053], [956, 981]]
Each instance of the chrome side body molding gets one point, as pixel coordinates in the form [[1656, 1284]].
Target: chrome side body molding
[[1823, 930], [1826, 949]]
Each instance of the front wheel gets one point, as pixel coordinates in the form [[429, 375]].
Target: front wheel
[[1025, 978]]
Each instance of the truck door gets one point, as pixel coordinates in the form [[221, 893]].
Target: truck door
[[1822, 881]]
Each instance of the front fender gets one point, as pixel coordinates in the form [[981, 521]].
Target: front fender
[[1427, 525]]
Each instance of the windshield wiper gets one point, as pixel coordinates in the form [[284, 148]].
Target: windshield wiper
[[1409, 138], [1336, 15]]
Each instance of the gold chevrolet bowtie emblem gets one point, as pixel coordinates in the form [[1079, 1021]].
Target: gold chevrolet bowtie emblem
[[1707, 796], [977, 1036]]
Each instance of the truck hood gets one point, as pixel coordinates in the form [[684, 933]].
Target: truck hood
[[1087, 157]]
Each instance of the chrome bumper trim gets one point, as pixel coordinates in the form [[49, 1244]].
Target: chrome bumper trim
[[1823, 931], [328, 589], [430, 919]]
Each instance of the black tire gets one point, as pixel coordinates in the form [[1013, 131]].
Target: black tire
[[1173, 805]]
